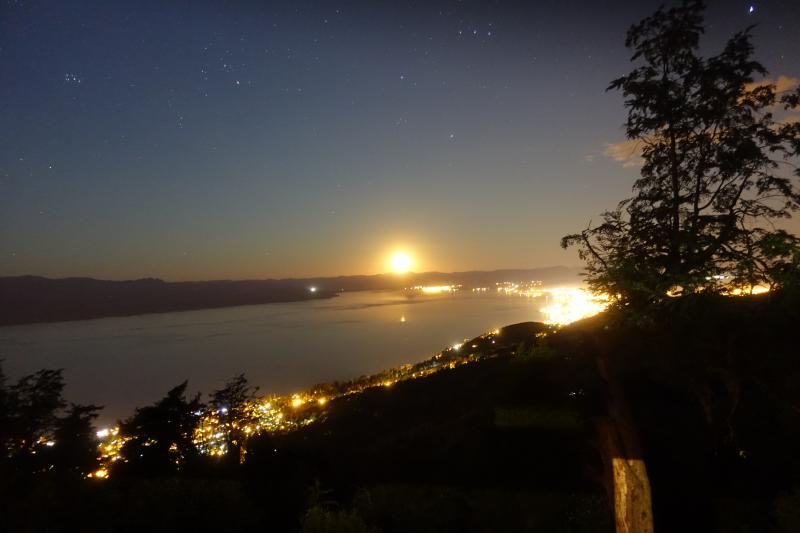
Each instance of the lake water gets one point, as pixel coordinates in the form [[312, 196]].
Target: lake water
[[132, 361]]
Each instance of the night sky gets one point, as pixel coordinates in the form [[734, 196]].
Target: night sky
[[209, 140]]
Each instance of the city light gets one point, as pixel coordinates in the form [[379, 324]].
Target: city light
[[100, 473], [435, 289], [567, 305], [745, 291]]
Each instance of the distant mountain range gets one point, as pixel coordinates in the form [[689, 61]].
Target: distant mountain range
[[30, 299]]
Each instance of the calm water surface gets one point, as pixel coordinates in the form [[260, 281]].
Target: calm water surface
[[132, 361]]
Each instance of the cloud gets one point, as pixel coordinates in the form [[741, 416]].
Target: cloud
[[782, 83], [627, 152]]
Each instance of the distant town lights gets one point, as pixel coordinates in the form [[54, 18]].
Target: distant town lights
[[567, 305], [101, 473]]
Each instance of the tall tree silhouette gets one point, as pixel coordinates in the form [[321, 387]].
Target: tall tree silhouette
[[75, 451], [230, 403], [37, 432], [161, 434], [30, 410], [717, 169]]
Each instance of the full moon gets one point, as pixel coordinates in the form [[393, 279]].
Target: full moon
[[400, 262]]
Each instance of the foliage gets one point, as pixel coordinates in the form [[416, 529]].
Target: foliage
[[230, 403], [539, 349], [34, 402], [234, 395], [712, 386], [716, 169], [38, 433], [776, 260], [5, 415], [75, 450], [787, 511], [162, 433], [323, 520]]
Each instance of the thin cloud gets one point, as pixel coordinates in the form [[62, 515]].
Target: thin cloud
[[627, 152], [782, 83]]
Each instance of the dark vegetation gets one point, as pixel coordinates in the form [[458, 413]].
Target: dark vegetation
[[30, 299], [504, 444], [712, 385]]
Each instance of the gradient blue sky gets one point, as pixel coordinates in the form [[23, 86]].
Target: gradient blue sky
[[207, 140]]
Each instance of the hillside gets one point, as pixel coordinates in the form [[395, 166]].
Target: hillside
[[30, 299]]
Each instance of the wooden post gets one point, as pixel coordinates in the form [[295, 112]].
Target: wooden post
[[626, 472]]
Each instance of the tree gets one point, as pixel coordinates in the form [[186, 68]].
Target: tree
[[75, 451], [37, 435], [717, 173], [233, 397], [161, 434], [31, 408], [230, 404], [5, 415], [717, 169]]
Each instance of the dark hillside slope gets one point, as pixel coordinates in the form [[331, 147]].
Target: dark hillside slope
[[31, 299], [714, 388], [500, 445]]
